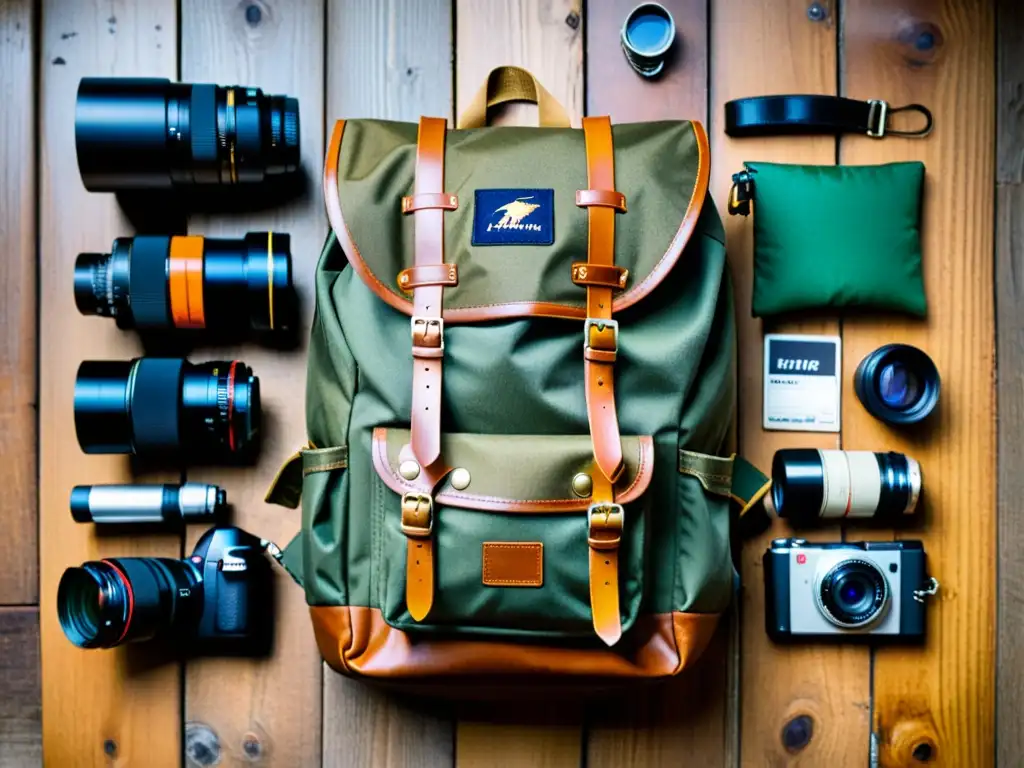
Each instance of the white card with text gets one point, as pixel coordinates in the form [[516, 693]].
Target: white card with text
[[801, 382]]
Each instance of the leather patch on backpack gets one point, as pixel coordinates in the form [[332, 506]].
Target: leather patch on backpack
[[513, 563], [514, 217]]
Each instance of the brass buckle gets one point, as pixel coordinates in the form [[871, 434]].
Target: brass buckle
[[416, 507], [878, 111], [601, 325], [605, 518], [427, 323]]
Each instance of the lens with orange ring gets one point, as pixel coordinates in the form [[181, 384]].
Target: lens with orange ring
[[105, 603], [185, 281], [228, 285]]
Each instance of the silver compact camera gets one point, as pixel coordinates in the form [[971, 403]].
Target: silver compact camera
[[846, 590]]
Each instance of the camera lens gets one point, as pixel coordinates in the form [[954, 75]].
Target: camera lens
[[135, 133], [135, 504], [155, 282], [853, 593], [105, 603], [161, 406], [897, 384], [810, 484]]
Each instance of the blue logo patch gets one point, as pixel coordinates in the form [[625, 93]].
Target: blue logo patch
[[514, 217]]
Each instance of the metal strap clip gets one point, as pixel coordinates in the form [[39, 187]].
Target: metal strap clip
[[604, 525]]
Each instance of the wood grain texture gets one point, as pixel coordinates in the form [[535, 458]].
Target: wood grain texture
[[939, 700], [688, 715], [19, 571], [387, 60], [20, 705], [367, 726], [390, 59], [534, 34], [613, 88], [1009, 279], [531, 34], [762, 48], [125, 701], [266, 710]]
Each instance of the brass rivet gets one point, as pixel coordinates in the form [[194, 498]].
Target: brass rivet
[[410, 470], [404, 279], [460, 478], [582, 485]]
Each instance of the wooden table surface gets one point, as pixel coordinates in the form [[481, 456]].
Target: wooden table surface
[[747, 703]]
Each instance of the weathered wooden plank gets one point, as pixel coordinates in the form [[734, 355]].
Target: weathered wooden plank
[[390, 60], [19, 572], [547, 39], [266, 710], [95, 704], [652, 727], [1010, 390], [613, 88], [802, 704], [20, 706], [938, 702]]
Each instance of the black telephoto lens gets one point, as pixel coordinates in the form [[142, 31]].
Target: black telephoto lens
[[155, 282], [897, 384], [150, 133], [105, 603], [154, 406]]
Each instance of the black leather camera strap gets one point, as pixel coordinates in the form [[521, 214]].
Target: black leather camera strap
[[810, 114]]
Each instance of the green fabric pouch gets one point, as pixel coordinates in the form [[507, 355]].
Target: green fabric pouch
[[834, 236]]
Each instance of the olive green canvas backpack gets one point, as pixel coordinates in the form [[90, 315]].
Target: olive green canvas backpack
[[521, 378]]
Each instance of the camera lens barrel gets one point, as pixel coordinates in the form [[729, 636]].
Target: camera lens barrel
[[105, 603], [190, 282], [898, 384], [809, 485], [148, 133], [167, 407], [132, 504], [853, 593]]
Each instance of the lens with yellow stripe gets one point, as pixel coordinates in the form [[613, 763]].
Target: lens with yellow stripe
[[190, 282]]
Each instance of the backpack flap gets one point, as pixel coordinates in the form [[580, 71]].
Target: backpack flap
[[513, 228]]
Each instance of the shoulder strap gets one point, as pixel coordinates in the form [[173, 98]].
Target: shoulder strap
[[803, 114]]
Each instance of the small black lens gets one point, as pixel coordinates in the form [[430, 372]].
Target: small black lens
[[106, 603], [165, 406], [897, 384], [154, 282], [853, 593], [135, 133]]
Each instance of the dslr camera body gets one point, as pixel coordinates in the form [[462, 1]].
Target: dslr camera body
[[843, 591], [218, 598]]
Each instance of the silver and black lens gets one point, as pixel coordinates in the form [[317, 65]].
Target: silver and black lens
[[853, 593], [156, 282], [152, 504], [105, 603], [809, 485], [133, 133], [897, 384], [164, 407]]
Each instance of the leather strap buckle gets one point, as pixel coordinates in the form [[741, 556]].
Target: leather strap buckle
[[427, 332], [878, 111], [600, 341], [604, 525], [417, 515]]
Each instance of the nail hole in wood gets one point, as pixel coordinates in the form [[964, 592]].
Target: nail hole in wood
[[922, 752], [110, 748]]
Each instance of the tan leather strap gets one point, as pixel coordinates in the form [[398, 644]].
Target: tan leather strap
[[418, 524], [609, 198], [600, 332], [604, 537], [599, 274], [427, 325], [506, 84], [431, 274], [444, 201]]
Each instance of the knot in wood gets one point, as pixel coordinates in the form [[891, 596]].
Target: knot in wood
[[797, 733]]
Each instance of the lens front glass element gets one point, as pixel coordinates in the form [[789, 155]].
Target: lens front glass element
[[898, 386], [853, 594], [93, 605]]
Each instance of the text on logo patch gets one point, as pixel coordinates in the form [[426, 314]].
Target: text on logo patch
[[514, 217]]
